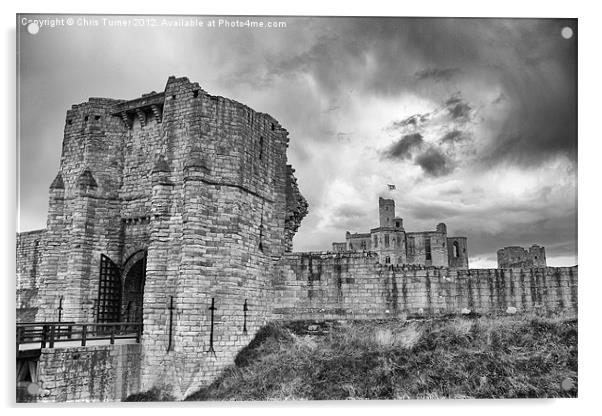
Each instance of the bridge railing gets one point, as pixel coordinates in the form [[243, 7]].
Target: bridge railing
[[48, 333]]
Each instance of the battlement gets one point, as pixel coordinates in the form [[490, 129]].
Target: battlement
[[515, 256], [148, 104]]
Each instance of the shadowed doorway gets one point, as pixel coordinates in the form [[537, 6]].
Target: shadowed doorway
[[133, 287]]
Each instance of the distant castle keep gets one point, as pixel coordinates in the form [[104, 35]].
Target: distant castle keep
[[396, 246], [514, 256]]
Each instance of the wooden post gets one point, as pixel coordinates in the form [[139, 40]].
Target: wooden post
[[112, 334], [212, 308], [51, 344], [19, 336], [245, 308], [171, 308], [60, 308], [84, 334], [44, 336]]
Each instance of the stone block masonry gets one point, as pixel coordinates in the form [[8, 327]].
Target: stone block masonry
[[88, 374], [355, 286], [29, 257], [513, 256]]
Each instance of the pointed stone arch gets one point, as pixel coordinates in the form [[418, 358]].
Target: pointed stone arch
[[133, 276]]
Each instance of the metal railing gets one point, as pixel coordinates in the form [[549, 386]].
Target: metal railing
[[49, 333]]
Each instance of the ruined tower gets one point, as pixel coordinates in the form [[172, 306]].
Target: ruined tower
[[386, 212], [515, 256]]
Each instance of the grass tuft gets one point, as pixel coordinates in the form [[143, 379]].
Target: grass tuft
[[155, 394]]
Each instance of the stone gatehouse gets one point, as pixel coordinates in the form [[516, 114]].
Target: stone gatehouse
[[177, 194]]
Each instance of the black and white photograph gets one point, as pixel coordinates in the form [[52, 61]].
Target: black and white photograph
[[270, 208]]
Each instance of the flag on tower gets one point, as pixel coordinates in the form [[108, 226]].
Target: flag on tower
[[391, 187]]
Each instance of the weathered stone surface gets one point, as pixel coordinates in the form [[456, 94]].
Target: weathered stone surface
[[29, 257], [514, 256], [327, 285], [88, 374]]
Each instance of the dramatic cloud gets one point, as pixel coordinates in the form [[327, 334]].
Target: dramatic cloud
[[453, 136], [469, 118], [411, 122], [457, 108], [434, 162], [403, 148], [431, 140]]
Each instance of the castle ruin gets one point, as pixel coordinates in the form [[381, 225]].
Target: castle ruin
[[514, 256], [394, 245], [176, 211]]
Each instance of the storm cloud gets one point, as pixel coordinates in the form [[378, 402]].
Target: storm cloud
[[524, 59], [434, 162], [457, 108], [453, 136], [471, 117], [403, 148]]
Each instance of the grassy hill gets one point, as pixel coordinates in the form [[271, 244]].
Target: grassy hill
[[508, 357]]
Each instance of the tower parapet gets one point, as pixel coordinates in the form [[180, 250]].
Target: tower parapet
[[386, 212]]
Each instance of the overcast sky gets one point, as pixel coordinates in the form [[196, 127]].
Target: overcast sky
[[473, 120]]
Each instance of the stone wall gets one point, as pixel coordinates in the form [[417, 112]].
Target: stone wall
[[89, 374], [358, 242], [390, 245], [354, 286], [224, 205], [418, 250], [514, 256], [29, 256], [457, 252], [83, 211]]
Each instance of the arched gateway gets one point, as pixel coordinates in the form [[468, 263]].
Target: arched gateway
[[121, 290], [134, 277]]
